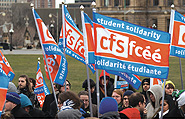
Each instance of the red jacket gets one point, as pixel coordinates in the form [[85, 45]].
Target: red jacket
[[131, 113]]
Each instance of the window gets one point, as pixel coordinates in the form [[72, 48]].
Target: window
[[116, 3], [183, 2], [155, 2], [106, 3], [170, 2], [125, 18], [127, 2], [167, 24], [154, 23]]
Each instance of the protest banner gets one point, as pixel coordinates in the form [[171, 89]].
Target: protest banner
[[41, 89], [177, 31], [6, 66], [56, 65], [124, 47], [133, 80], [4, 82], [53, 56], [90, 38], [74, 42], [155, 81]]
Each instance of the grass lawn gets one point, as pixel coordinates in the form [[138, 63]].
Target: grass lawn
[[27, 64]]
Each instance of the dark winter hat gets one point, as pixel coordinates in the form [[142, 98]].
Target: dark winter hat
[[128, 93], [146, 80], [25, 101], [85, 84], [12, 87], [108, 104], [13, 97]]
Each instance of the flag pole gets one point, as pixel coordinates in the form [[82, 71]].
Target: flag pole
[[163, 99], [97, 76], [171, 32], [64, 40], [86, 58], [104, 78], [46, 63], [181, 73], [115, 82]]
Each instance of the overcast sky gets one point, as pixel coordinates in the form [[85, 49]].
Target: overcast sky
[[66, 1]]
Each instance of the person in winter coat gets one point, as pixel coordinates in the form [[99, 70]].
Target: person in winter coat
[[167, 107], [154, 94], [145, 86], [92, 89], [69, 105], [126, 96], [13, 104], [169, 87], [109, 87], [109, 108], [24, 87], [84, 96], [137, 101], [27, 106], [118, 96]]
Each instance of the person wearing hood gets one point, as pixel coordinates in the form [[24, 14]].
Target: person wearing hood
[[109, 87], [109, 108], [154, 94], [27, 106], [145, 86]]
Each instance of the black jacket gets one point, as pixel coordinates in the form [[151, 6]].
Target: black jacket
[[110, 89], [36, 113], [18, 112], [30, 95]]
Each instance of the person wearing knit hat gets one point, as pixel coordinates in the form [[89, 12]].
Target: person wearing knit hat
[[13, 97], [126, 99], [169, 87], [108, 108], [145, 86], [12, 87], [13, 104], [28, 107]]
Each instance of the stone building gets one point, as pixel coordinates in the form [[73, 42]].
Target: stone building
[[141, 12]]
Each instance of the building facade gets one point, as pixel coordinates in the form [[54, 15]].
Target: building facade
[[5, 5], [146, 13], [43, 3]]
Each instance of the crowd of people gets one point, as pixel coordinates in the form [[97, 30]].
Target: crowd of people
[[21, 102]]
